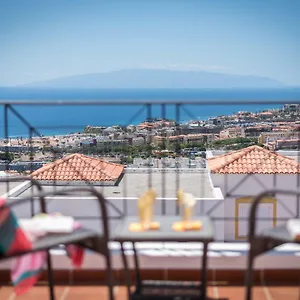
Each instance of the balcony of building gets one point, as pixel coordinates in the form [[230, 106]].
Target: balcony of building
[[222, 182]]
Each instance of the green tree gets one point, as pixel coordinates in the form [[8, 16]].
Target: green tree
[[8, 156]]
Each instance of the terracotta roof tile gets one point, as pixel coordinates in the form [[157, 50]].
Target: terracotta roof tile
[[78, 167], [253, 160]]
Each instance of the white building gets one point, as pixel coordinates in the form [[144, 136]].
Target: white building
[[291, 107], [119, 186], [268, 137], [223, 190], [247, 172], [228, 174]]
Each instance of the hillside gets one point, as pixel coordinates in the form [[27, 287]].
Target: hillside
[[147, 78]]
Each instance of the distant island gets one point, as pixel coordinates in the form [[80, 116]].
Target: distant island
[[155, 78]]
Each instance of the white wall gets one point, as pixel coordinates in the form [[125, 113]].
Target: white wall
[[240, 185], [88, 207], [236, 185]]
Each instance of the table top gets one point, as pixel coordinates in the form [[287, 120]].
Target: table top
[[165, 233]]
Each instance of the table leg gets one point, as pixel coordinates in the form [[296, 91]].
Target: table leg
[[204, 272], [137, 269], [127, 272], [50, 276]]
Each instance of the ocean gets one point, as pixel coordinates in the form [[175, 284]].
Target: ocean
[[54, 120]]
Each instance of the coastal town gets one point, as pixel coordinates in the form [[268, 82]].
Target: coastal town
[[274, 129], [149, 150]]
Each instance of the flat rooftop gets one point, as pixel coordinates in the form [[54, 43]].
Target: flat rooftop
[[136, 182], [165, 184]]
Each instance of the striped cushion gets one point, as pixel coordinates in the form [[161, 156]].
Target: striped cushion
[[12, 237]]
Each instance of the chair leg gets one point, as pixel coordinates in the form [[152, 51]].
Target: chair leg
[[110, 279], [249, 274], [50, 276], [126, 272]]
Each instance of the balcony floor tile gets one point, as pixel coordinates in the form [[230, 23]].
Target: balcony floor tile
[[93, 293]]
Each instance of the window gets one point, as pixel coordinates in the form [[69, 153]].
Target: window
[[266, 209]]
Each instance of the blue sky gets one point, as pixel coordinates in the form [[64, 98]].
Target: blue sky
[[41, 39]]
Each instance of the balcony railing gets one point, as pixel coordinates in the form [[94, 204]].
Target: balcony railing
[[161, 153]]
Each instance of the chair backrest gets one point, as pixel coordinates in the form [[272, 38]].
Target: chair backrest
[[41, 195], [102, 202], [254, 205]]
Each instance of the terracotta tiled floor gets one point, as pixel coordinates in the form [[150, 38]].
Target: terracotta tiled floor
[[95, 293]]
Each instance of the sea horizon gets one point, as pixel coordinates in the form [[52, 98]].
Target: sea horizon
[[55, 120]]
